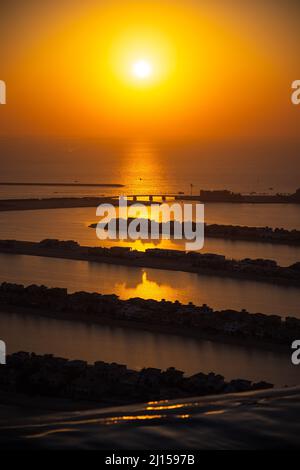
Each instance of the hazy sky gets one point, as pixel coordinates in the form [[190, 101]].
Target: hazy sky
[[220, 69]]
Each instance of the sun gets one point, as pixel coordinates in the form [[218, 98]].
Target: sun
[[142, 69]]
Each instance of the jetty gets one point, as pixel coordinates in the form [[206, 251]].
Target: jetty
[[220, 196]]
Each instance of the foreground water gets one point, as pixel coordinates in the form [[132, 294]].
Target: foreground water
[[261, 420], [138, 349], [128, 282], [73, 224]]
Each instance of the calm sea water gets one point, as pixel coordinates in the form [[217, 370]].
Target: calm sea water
[[144, 165], [140, 349]]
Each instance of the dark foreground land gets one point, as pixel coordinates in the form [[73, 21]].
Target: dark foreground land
[[266, 331], [210, 264], [47, 376]]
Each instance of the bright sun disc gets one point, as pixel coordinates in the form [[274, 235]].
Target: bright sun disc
[[142, 69]]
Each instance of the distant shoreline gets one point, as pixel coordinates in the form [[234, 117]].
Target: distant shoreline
[[7, 205], [107, 185], [70, 202]]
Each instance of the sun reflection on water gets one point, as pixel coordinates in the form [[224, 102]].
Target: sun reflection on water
[[146, 289]]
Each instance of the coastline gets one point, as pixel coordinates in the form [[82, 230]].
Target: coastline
[[207, 197], [79, 185], [7, 205], [227, 232], [149, 327], [107, 384], [236, 327], [209, 264]]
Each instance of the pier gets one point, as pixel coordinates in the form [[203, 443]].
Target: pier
[[153, 197]]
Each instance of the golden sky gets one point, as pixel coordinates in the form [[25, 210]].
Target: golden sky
[[218, 69]]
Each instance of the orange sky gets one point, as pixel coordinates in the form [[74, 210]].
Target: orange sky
[[220, 69]]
